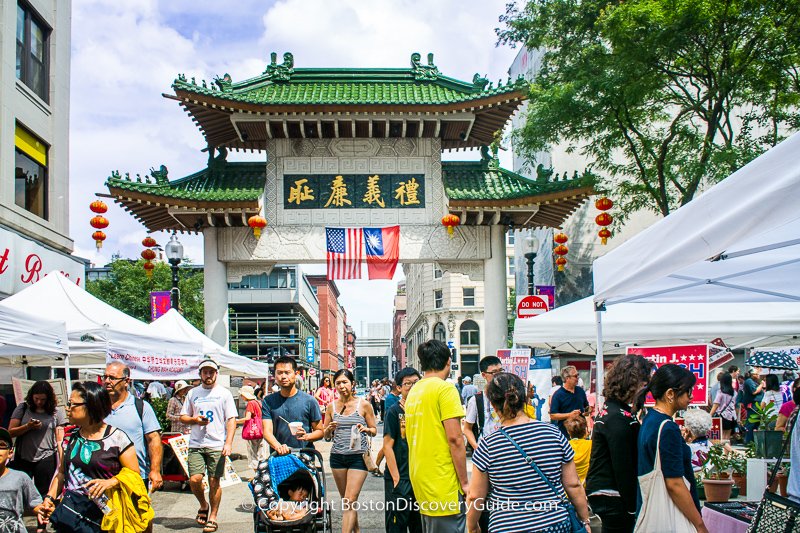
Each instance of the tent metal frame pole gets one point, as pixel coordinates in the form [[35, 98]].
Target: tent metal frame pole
[[66, 373], [600, 370]]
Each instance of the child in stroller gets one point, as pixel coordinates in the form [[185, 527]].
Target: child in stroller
[[297, 505]]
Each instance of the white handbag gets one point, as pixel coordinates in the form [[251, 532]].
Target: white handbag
[[659, 514]]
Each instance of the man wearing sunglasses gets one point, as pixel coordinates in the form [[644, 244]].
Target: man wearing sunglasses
[[138, 420]]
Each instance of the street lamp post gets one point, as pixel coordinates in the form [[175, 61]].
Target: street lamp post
[[174, 253], [532, 245]]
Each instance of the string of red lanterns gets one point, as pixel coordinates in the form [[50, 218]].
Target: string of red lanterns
[[604, 219], [98, 222], [148, 255], [561, 250]]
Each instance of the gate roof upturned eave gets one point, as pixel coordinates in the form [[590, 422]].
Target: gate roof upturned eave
[[285, 102], [227, 193]]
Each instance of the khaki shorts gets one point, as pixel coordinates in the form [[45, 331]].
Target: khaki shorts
[[206, 461]]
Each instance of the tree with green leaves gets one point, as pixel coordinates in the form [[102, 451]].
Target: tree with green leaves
[[128, 289], [665, 97]]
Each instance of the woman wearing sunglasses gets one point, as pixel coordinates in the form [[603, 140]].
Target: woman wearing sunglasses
[[95, 457]]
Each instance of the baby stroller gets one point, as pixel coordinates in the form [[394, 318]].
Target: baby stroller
[[270, 485]]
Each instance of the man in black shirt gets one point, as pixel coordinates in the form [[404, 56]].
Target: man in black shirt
[[401, 513], [569, 401]]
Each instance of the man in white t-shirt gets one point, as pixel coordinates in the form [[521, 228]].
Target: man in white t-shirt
[[211, 412], [477, 424], [156, 389]]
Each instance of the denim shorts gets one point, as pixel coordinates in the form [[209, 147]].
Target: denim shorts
[[348, 461]]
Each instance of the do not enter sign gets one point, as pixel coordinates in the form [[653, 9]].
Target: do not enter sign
[[531, 306]]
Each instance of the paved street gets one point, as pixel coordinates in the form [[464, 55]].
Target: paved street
[[175, 510]]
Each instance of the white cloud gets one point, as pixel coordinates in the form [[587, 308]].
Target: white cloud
[[126, 54]]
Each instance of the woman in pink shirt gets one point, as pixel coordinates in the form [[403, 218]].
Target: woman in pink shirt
[[786, 409], [325, 395]]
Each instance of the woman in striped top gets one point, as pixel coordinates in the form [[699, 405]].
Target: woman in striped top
[[348, 421], [521, 500]]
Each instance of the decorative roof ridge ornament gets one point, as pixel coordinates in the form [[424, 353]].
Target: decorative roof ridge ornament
[[224, 83], [421, 72], [218, 161], [160, 175], [480, 82], [544, 174], [489, 157], [283, 72]]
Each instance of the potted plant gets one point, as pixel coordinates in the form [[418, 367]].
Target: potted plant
[[768, 441], [739, 466], [717, 479], [783, 479]]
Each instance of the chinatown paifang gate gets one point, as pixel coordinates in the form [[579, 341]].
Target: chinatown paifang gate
[[350, 148]]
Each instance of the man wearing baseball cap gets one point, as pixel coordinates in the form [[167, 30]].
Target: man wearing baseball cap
[[211, 412]]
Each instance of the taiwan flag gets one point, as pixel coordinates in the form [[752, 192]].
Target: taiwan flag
[[383, 250]]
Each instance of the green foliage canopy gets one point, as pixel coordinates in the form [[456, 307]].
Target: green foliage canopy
[[128, 289], [664, 96]]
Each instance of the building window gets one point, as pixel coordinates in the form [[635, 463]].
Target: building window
[[439, 332], [32, 38], [470, 334], [510, 237], [30, 172], [510, 266], [438, 299], [437, 272], [469, 296]]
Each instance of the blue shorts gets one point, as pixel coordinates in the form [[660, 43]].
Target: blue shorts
[[348, 461]]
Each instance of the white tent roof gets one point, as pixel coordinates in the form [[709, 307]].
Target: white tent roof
[[749, 223], [572, 328], [173, 323], [17, 338], [91, 324]]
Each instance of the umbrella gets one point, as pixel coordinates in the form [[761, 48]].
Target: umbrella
[[773, 358]]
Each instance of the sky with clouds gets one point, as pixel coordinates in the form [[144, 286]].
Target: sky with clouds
[[125, 54]]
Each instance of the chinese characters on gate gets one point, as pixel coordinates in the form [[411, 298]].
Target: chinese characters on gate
[[361, 191]]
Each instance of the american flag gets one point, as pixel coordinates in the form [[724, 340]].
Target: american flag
[[344, 252]]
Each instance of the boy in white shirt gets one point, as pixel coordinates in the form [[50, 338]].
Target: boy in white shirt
[[211, 412]]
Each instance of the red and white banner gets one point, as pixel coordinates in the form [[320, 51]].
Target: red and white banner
[[693, 357], [150, 365], [715, 433], [516, 361]]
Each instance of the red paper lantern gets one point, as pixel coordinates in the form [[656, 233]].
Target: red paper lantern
[[98, 206], [560, 250], [450, 222], [149, 242], [560, 238], [148, 268], [604, 204], [603, 219], [604, 234], [99, 222], [98, 237], [148, 254], [561, 262], [257, 222]]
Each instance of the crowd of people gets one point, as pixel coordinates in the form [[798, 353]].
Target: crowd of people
[[94, 466]]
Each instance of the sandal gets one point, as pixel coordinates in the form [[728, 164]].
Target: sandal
[[202, 517], [210, 527]]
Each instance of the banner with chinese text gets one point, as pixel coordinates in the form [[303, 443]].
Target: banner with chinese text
[[693, 357], [150, 365], [353, 191]]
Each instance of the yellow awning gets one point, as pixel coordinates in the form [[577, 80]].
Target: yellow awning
[[30, 145]]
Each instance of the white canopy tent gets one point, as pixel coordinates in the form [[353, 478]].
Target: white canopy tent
[[92, 326], [572, 328], [739, 242], [173, 323], [18, 339]]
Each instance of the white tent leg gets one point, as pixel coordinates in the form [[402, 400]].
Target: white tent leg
[[600, 369], [66, 374]]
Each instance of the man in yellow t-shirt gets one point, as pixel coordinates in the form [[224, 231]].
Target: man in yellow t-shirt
[[436, 453]]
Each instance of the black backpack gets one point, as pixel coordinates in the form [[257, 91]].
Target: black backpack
[[477, 428]]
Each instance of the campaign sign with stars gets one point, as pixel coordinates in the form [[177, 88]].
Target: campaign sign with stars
[[353, 191], [693, 357]]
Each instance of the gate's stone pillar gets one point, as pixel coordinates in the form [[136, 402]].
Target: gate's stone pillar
[[495, 293], [215, 291]]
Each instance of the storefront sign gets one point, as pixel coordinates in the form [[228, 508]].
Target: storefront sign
[[693, 357], [309, 349], [23, 262], [516, 361], [353, 191]]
